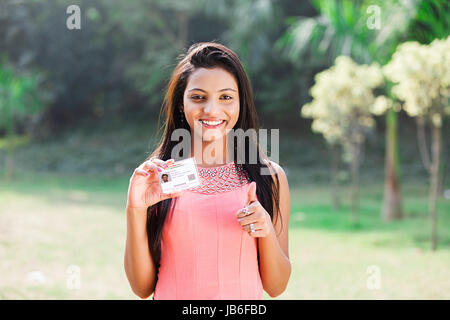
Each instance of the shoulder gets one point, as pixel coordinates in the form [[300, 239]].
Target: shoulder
[[280, 180], [275, 168], [278, 174]]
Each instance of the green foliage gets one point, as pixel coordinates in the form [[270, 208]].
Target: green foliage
[[19, 97], [14, 142], [343, 100], [421, 74], [432, 21], [341, 29], [121, 59]]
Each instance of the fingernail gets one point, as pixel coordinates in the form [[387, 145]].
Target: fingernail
[[147, 174], [159, 169]]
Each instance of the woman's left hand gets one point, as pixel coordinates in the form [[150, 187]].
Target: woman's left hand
[[254, 213]]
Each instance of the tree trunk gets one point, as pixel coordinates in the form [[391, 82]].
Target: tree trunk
[[421, 138], [434, 182], [355, 182], [335, 159], [9, 165], [442, 170], [392, 205]]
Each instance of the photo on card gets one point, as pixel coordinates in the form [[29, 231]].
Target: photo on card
[[179, 176]]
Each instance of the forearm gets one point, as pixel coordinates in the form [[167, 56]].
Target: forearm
[[138, 262], [275, 267]]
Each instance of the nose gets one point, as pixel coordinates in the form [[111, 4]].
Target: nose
[[211, 109]]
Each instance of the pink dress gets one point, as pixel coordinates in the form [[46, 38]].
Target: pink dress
[[205, 253]]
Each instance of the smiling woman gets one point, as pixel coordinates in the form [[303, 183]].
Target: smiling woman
[[225, 238], [212, 99]]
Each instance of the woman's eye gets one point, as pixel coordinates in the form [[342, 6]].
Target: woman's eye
[[197, 97]]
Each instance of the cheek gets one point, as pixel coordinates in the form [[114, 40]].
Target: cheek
[[190, 111], [234, 115]]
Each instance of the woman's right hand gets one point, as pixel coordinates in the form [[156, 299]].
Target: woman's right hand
[[144, 189]]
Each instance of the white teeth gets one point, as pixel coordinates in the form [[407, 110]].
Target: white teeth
[[212, 123]]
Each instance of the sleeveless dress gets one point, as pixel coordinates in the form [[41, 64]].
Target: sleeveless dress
[[205, 253]]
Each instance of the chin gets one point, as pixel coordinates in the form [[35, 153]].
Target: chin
[[215, 138], [218, 135]]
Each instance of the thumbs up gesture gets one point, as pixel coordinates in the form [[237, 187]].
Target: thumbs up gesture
[[253, 218]]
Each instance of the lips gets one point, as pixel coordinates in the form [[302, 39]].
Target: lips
[[212, 123]]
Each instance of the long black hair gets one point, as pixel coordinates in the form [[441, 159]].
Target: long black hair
[[210, 55]]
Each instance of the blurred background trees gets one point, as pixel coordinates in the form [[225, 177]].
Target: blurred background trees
[[109, 78], [352, 28], [122, 57], [20, 104], [422, 77], [342, 106], [371, 31]]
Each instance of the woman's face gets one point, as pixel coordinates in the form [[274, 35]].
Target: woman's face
[[211, 102]]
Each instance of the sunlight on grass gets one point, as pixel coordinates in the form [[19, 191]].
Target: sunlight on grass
[[49, 223]]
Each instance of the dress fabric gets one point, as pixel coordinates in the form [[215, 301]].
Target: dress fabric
[[205, 253]]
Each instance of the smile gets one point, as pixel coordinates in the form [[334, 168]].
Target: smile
[[211, 124]]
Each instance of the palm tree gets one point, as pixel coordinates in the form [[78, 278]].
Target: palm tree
[[344, 28]]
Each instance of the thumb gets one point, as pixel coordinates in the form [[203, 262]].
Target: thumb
[[252, 193]]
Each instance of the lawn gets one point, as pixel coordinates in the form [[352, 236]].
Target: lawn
[[54, 225]]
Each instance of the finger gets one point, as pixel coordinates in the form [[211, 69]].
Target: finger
[[149, 162], [243, 213], [251, 196], [256, 225], [158, 162], [170, 161], [162, 163], [142, 172], [151, 167], [248, 219], [257, 234], [252, 207]]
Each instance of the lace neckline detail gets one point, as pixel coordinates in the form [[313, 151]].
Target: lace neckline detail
[[221, 178], [206, 169]]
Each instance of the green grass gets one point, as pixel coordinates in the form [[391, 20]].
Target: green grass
[[49, 222], [331, 256]]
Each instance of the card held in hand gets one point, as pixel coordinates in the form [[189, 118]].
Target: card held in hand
[[179, 176]]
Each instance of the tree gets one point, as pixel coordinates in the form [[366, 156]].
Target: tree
[[432, 21], [123, 53], [342, 29], [392, 202], [342, 108], [19, 98], [421, 74]]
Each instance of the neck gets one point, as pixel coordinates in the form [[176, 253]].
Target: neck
[[212, 153]]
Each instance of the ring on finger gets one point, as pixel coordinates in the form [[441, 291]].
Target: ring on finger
[[252, 227], [245, 211]]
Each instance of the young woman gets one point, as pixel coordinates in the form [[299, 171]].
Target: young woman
[[228, 237]]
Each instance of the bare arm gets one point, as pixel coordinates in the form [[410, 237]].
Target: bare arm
[[143, 191], [139, 266], [275, 266]]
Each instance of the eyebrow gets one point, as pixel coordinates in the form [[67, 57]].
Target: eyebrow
[[225, 89]]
